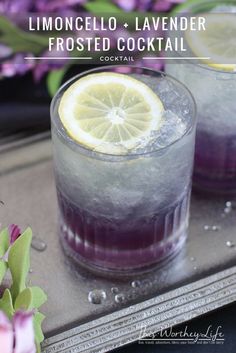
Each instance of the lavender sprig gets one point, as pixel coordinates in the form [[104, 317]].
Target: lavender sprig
[[18, 66]]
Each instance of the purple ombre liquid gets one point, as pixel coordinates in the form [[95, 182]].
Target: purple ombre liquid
[[215, 162], [215, 154], [137, 241]]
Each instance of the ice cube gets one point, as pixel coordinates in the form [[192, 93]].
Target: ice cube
[[172, 129]]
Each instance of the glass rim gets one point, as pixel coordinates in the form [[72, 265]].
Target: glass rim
[[201, 64], [61, 131]]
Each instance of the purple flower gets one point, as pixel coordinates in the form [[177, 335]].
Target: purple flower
[[14, 232], [5, 51], [165, 5], [6, 334], [15, 6], [45, 65], [143, 5], [16, 66], [24, 332], [52, 5], [19, 6], [151, 64], [126, 5], [147, 5], [18, 336]]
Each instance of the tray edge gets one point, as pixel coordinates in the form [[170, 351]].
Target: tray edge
[[200, 297]]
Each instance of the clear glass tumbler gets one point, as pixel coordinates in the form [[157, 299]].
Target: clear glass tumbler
[[215, 95], [214, 91], [122, 213]]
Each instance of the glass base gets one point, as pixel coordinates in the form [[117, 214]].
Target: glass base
[[164, 252], [123, 244]]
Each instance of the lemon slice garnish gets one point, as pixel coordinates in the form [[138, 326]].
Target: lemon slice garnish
[[110, 112], [217, 42]]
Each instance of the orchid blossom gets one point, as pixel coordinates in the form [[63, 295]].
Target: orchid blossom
[[18, 336]]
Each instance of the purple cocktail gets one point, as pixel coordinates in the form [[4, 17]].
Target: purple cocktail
[[215, 154], [126, 211], [212, 81], [215, 161]]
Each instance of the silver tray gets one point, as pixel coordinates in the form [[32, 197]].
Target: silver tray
[[201, 278]]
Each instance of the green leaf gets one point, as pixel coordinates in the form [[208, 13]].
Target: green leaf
[[30, 298], [38, 319], [20, 40], [38, 347], [19, 262], [33, 298], [100, 7], [4, 241], [38, 297], [54, 80], [6, 26], [3, 270], [24, 300], [6, 303], [4, 245]]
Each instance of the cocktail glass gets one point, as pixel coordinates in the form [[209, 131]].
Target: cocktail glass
[[214, 90], [125, 213]]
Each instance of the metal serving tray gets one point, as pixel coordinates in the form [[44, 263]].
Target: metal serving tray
[[201, 278]]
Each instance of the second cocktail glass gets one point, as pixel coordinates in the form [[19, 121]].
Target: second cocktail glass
[[215, 156], [213, 85]]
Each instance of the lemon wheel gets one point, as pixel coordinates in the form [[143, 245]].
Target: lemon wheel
[[108, 112], [217, 42]]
